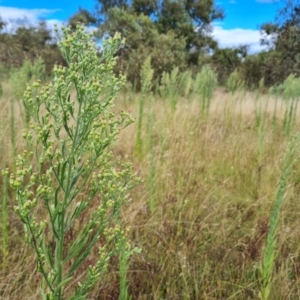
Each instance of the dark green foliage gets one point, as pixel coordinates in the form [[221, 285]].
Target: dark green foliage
[[283, 36], [146, 7], [225, 61], [191, 20], [143, 39], [82, 16], [175, 33], [28, 42], [253, 68]]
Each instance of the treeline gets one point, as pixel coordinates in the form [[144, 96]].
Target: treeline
[[27, 42], [176, 34], [22, 41]]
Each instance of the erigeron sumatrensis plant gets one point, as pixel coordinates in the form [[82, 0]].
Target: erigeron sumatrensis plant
[[234, 82], [68, 168]]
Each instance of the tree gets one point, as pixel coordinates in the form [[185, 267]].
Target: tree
[[226, 60], [184, 24], [143, 39], [2, 23], [84, 17], [27, 41], [283, 38]]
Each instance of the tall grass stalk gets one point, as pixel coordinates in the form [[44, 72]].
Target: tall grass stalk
[[258, 111], [124, 257], [156, 89], [146, 80], [68, 166], [274, 117], [289, 115], [261, 150], [12, 128], [266, 267], [173, 90], [152, 160], [4, 220], [291, 94], [261, 86]]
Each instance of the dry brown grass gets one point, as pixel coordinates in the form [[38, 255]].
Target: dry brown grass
[[213, 198]]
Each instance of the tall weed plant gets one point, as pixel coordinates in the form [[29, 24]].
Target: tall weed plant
[[266, 268], [291, 87], [146, 79], [169, 86], [19, 79], [234, 83], [29, 72], [291, 94], [68, 166], [204, 86], [185, 82]]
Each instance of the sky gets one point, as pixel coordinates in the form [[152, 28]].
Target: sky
[[240, 26]]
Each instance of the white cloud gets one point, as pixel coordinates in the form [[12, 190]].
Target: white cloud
[[238, 36], [33, 15], [53, 22]]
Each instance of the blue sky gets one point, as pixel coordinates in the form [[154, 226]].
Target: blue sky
[[240, 26], [247, 14]]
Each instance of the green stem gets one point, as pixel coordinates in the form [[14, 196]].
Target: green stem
[[139, 142], [12, 129], [4, 218], [60, 242]]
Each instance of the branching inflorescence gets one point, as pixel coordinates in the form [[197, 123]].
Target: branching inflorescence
[[68, 167]]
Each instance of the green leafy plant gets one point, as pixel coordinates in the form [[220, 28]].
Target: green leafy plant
[[69, 167]]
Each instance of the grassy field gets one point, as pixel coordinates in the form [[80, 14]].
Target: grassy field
[[201, 216]]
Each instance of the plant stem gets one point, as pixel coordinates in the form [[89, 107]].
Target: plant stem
[[61, 220]]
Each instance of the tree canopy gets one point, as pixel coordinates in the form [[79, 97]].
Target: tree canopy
[[178, 29], [283, 37], [27, 41], [174, 33]]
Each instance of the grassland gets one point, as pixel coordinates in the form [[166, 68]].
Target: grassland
[[202, 215]]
